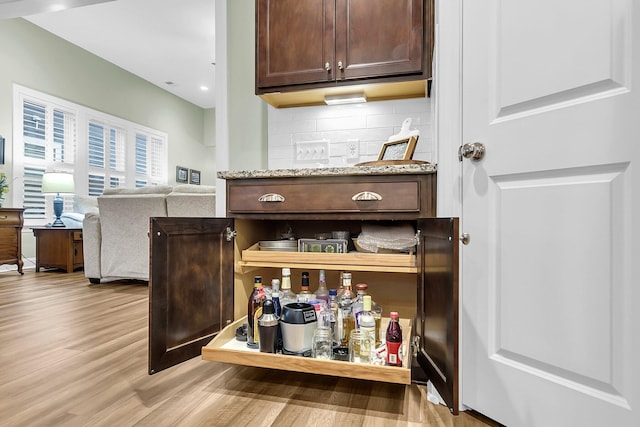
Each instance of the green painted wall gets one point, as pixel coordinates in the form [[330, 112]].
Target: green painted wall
[[35, 58], [247, 114]]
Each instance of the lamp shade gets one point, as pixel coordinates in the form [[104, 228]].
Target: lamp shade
[[57, 182]]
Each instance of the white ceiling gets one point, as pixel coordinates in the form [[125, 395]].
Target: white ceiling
[[159, 40]]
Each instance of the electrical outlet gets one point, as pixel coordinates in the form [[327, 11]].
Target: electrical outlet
[[312, 151], [353, 149]]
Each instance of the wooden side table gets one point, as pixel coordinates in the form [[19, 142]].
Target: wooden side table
[[11, 222], [59, 247]]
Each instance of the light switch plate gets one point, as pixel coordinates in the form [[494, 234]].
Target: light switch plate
[[312, 151]]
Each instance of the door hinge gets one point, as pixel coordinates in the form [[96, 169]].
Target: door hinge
[[231, 234], [415, 345]]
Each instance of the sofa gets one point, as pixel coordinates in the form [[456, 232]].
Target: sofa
[[116, 234]]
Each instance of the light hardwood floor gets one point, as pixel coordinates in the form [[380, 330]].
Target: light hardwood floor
[[74, 354]]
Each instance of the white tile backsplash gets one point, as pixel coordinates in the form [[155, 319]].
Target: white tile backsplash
[[371, 124]]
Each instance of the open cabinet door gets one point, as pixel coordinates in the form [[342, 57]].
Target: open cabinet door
[[190, 286], [436, 325]]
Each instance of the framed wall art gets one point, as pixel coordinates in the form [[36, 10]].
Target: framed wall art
[[194, 177], [1, 150], [182, 175]]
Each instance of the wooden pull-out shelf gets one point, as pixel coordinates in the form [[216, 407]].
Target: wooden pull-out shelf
[[352, 261], [225, 348]]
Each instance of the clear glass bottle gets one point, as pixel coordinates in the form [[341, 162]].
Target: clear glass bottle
[[361, 289], [366, 321], [286, 295], [345, 303], [322, 347], [254, 310], [333, 306], [322, 293], [361, 347], [394, 340]]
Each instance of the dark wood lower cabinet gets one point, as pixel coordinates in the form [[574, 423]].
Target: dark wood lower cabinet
[[190, 287], [202, 271], [436, 324]]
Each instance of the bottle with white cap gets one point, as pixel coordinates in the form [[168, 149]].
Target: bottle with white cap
[[286, 294]]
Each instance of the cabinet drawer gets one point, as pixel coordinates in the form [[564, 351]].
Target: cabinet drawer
[[326, 197], [77, 236], [78, 256], [10, 218]]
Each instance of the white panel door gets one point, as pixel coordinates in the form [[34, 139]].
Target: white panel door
[[551, 275]]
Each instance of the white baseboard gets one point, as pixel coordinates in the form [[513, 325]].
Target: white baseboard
[[29, 264]]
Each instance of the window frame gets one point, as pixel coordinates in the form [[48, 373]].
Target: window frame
[[80, 166]]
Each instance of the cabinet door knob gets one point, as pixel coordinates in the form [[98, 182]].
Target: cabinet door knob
[[366, 195], [271, 198], [327, 66], [340, 66]]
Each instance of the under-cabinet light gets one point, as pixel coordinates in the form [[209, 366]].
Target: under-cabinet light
[[351, 98]]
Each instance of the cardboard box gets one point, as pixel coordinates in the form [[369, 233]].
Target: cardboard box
[[331, 246]]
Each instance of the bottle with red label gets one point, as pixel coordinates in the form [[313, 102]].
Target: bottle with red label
[[394, 340]]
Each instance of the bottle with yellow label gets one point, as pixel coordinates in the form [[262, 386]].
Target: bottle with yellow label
[[254, 311]]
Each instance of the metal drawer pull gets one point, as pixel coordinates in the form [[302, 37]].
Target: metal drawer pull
[[271, 197], [4, 217], [366, 195]]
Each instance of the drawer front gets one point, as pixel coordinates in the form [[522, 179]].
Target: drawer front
[[363, 196], [10, 218], [8, 243], [78, 257], [77, 236]]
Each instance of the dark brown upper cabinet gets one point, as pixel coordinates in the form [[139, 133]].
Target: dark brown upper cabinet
[[315, 44]]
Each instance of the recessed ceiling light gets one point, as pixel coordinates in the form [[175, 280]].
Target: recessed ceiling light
[[204, 88]]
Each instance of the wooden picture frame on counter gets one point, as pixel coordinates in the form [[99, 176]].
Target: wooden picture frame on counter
[[399, 149]]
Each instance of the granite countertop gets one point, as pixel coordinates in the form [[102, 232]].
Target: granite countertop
[[331, 171]]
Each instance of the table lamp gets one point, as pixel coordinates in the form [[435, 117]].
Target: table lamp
[[57, 182]]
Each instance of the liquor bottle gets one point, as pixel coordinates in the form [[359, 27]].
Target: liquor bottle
[[322, 293], [376, 310], [286, 295], [305, 294], [394, 340], [366, 322], [254, 310], [358, 304], [267, 325], [333, 306], [340, 282], [277, 309], [345, 303]]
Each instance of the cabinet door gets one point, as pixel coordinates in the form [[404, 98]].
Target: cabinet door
[[379, 38], [295, 39], [190, 287], [436, 323]]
